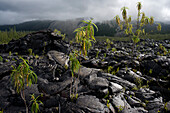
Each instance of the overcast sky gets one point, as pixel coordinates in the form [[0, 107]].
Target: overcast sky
[[17, 11]]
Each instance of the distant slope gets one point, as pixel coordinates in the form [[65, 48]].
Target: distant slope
[[29, 26], [106, 28], [66, 27]]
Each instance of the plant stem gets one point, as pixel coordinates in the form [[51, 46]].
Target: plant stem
[[23, 97]]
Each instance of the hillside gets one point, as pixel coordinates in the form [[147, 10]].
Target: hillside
[[106, 28]]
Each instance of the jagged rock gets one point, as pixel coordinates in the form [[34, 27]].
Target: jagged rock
[[94, 86], [119, 101], [91, 104], [6, 68], [133, 101], [115, 88], [58, 57], [52, 88], [118, 80], [38, 42], [146, 94], [4, 92], [98, 83], [152, 68], [15, 109], [52, 101], [84, 72]]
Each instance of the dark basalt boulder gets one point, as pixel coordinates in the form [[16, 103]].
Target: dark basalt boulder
[[137, 83], [40, 42]]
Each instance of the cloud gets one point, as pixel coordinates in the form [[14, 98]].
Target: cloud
[[17, 11]]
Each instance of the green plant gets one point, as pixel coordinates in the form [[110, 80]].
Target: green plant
[[16, 53], [163, 49], [146, 101], [108, 103], [57, 32], [135, 88], [35, 103], [108, 42], [135, 36], [134, 70], [150, 71], [165, 106], [6, 60], [36, 56], [10, 53], [1, 59], [97, 54], [114, 49], [139, 82], [120, 108], [110, 68], [1, 110], [113, 72], [74, 66], [30, 51], [85, 35], [45, 43], [23, 75]]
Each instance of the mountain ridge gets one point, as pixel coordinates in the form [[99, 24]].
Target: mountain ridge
[[106, 28]]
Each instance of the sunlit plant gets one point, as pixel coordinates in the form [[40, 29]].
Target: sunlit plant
[[2, 111], [142, 20], [163, 49], [1, 59], [74, 66], [57, 32], [30, 51], [35, 103], [23, 75], [84, 36]]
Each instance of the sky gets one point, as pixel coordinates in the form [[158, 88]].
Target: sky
[[17, 11]]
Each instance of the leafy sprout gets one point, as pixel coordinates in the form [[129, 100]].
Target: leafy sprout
[[35, 103], [124, 12], [74, 63], [23, 75], [139, 5], [144, 20], [1, 59], [85, 35]]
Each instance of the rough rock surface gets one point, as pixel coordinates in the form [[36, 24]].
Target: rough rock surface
[[110, 80]]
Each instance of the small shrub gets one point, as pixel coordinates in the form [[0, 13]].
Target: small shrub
[[97, 54], [30, 51], [142, 21], [114, 49], [1, 110], [21, 75], [165, 107], [1, 59], [35, 104], [108, 103], [139, 82], [120, 108], [134, 88], [10, 53], [74, 66], [57, 32], [150, 71], [84, 36]]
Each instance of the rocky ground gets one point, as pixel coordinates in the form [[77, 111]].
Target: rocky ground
[[111, 80]]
